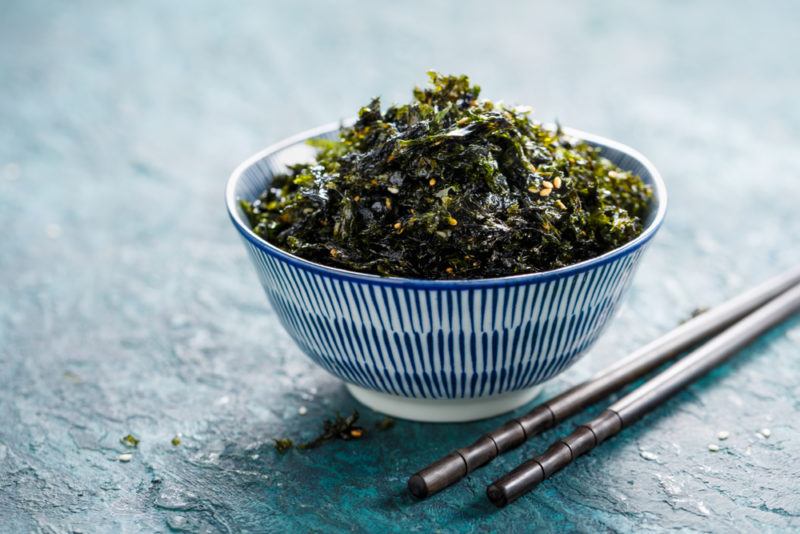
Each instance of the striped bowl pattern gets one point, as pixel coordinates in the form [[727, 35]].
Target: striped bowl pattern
[[439, 339]]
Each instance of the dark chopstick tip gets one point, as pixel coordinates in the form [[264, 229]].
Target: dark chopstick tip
[[418, 487], [496, 495]]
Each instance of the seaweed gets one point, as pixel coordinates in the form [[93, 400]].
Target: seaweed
[[450, 186], [339, 427], [385, 424], [283, 444], [130, 441], [343, 428]]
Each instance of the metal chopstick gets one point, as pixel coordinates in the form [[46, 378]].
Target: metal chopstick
[[643, 399], [458, 464]]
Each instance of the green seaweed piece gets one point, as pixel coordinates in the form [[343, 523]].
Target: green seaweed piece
[[130, 441], [339, 427], [450, 186], [283, 444], [385, 424]]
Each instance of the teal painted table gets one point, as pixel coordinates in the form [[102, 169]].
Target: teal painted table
[[127, 303]]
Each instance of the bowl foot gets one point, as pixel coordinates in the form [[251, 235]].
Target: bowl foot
[[443, 410]]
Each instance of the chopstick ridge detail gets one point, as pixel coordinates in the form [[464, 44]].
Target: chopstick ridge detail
[[644, 399], [459, 463]]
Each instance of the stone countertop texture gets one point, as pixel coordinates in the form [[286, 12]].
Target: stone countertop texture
[[128, 305]]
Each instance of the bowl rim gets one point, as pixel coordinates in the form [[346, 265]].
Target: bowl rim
[[231, 202]]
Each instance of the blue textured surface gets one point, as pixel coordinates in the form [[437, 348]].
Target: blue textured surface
[[127, 303]]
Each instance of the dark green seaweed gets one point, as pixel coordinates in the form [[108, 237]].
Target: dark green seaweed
[[450, 187], [339, 427]]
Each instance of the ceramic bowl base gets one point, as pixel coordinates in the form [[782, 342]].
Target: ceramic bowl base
[[443, 410]]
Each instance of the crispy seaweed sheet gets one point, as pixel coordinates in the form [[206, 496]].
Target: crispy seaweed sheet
[[450, 186]]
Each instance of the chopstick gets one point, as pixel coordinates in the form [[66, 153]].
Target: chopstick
[[643, 399], [459, 463]]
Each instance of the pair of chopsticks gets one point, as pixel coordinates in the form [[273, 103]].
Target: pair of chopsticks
[[734, 324]]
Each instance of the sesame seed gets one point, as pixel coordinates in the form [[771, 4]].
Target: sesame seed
[[560, 204], [713, 447], [647, 455], [393, 190], [398, 225], [462, 121], [557, 182], [533, 190], [125, 457], [451, 221], [547, 184], [765, 432], [449, 270], [432, 182], [302, 410], [722, 435], [334, 252], [356, 432], [545, 192]]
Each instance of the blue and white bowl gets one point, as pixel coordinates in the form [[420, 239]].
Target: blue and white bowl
[[435, 350]]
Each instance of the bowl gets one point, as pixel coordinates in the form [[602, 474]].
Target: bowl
[[440, 350]]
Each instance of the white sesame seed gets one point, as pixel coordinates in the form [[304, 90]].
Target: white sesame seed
[[703, 508], [647, 455], [302, 410], [722, 435], [125, 457], [713, 447], [765, 432]]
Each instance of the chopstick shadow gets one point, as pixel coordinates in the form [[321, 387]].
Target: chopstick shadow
[[747, 357], [391, 452], [468, 509], [479, 506]]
